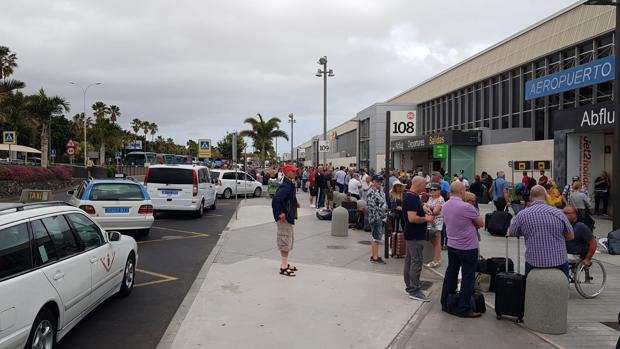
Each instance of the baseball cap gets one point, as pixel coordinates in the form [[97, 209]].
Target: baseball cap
[[435, 186], [377, 178], [288, 168]]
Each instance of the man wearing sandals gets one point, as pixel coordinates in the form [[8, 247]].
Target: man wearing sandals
[[284, 205]]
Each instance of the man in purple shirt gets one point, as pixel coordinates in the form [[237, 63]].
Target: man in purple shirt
[[546, 230], [462, 222]]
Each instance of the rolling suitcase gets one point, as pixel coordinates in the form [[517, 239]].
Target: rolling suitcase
[[499, 222], [398, 242], [510, 289]]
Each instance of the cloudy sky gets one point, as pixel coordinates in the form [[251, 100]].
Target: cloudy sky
[[199, 68]]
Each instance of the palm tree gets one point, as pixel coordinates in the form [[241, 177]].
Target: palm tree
[[146, 126], [115, 113], [41, 108], [153, 130], [262, 133], [100, 110], [136, 125], [8, 62], [8, 85]]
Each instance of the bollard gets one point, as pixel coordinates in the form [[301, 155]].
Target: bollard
[[546, 301], [339, 198], [340, 222], [361, 203]]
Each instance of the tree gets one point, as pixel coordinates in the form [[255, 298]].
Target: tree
[[115, 113], [224, 146], [8, 62], [153, 129], [41, 108], [192, 148], [136, 125], [100, 110], [262, 134]]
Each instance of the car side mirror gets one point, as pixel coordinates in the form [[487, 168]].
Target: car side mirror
[[114, 236], [71, 192]]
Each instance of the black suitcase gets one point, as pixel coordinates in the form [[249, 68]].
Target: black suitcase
[[349, 205], [510, 290], [498, 223]]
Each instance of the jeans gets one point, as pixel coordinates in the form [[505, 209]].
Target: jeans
[[562, 267], [340, 187], [376, 230], [321, 202], [444, 236], [413, 265], [467, 261], [598, 198], [500, 204]]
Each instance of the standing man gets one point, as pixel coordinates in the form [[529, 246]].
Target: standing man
[[340, 177], [355, 186], [601, 193], [499, 189], [377, 216], [546, 230], [416, 221], [365, 179], [321, 184], [284, 205], [462, 222]]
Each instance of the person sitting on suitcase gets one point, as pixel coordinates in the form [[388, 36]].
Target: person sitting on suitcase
[[377, 216], [462, 222], [546, 230], [584, 243]]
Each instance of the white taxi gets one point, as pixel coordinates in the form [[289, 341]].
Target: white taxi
[[56, 265], [116, 204]]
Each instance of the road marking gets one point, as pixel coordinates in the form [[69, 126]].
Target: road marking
[[163, 277], [191, 233], [214, 215], [180, 231]]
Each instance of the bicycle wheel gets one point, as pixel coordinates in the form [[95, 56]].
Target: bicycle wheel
[[590, 282]]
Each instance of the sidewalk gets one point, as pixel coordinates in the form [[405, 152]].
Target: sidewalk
[[340, 300]]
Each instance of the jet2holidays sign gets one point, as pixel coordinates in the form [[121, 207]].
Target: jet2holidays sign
[[588, 74], [204, 148]]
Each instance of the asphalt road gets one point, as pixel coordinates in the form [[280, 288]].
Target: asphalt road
[[169, 260]]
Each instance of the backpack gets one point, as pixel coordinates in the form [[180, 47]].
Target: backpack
[[324, 214], [613, 242]]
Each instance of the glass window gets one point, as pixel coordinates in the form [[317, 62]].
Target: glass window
[[216, 174], [585, 95], [527, 119], [495, 109], [62, 237], [89, 232], [15, 253], [505, 97], [229, 175], [604, 91], [170, 176], [539, 125], [80, 191], [516, 94], [116, 192], [515, 120], [44, 250]]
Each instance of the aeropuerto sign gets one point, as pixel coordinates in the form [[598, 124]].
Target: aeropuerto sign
[[588, 74]]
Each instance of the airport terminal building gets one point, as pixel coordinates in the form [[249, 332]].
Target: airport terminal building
[[544, 95]]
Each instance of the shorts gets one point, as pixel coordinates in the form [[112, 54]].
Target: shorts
[[285, 236], [376, 230], [313, 191]]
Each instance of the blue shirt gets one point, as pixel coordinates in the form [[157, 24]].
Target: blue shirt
[[499, 184], [445, 186]]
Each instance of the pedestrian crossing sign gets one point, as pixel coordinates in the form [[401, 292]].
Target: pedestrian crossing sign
[[204, 148], [9, 137]]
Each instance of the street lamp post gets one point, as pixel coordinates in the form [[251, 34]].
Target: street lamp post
[[615, 179], [85, 118], [291, 120], [324, 73]]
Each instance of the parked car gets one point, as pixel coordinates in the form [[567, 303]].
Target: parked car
[[56, 266], [241, 183], [181, 188], [116, 204]]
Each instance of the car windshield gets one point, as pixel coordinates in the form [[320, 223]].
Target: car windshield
[[170, 176], [116, 192], [215, 174]]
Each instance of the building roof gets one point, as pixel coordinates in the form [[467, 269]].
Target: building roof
[[571, 25]]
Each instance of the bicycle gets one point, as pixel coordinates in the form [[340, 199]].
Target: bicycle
[[589, 282]]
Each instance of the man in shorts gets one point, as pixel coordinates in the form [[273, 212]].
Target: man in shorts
[[284, 205]]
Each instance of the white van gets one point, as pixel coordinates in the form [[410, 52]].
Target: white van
[[181, 188]]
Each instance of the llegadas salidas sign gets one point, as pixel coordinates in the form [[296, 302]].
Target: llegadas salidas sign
[[588, 74]]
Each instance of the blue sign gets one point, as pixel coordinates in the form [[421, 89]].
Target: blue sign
[[204, 145], [584, 75], [117, 155], [8, 137], [53, 153]]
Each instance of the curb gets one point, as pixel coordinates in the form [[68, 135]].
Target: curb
[[172, 330]]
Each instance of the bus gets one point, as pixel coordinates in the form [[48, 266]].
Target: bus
[[139, 158]]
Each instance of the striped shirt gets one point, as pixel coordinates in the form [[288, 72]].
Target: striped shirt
[[544, 229]]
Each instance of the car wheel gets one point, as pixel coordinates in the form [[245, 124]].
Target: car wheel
[[227, 193], [201, 210], [257, 192], [128, 276], [213, 207], [43, 332]]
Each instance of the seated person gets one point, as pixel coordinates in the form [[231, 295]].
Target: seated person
[[584, 243]]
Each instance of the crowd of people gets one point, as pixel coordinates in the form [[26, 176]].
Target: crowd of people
[[445, 211]]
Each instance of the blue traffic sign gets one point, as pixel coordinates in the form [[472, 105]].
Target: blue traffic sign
[[9, 137], [204, 145], [53, 153], [117, 155]]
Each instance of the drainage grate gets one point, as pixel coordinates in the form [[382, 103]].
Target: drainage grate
[[335, 247], [612, 324], [364, 242]]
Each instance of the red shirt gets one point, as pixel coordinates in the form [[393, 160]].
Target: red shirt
[[312, 179]]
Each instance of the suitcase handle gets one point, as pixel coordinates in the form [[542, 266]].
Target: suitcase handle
[[518, 254]]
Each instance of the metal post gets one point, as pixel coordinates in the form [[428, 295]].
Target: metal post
[[386, 181], [292, 121], [234, 158], [615, 185], [85, 147], [325, 108]]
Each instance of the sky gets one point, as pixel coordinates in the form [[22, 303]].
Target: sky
[[199, 68]]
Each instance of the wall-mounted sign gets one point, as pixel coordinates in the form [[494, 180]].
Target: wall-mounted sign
[[440, 151], [402, 123], [588, 74], [453, 137], [599, 116], [134, 145], [324, 146], [542, 164]]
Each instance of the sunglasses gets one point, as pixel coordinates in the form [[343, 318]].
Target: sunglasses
[[434, 189]]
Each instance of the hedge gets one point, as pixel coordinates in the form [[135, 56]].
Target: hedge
[[34, 173]]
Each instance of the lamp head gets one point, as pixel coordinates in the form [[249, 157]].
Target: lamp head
[[331, 73], [323, 60]]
